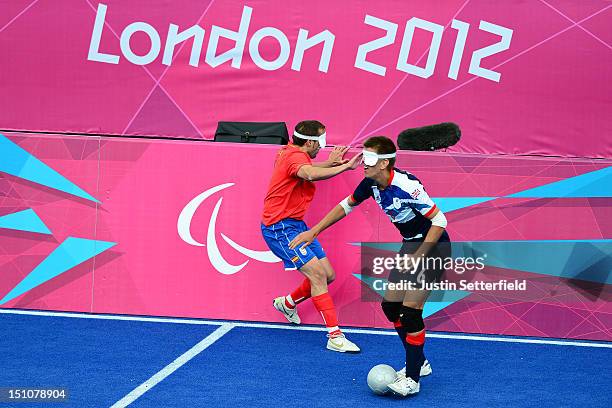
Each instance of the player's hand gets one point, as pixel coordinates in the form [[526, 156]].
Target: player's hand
[[336, 157], [355, 161], [305, 238]]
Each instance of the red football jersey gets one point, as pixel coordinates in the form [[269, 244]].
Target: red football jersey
[[288, 195]]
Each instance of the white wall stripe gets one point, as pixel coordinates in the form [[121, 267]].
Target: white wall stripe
[[380, 332]]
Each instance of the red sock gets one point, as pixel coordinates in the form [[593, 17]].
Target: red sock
[[417, 340], [325, 305], [300, 294]]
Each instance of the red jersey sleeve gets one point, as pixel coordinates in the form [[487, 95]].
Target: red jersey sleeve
[[296, 160]]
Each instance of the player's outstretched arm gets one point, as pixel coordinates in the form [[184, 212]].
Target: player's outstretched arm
[[313, 173], [336, 157], [336, 214]]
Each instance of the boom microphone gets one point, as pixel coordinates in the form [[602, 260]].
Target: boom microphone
[[427, 138]]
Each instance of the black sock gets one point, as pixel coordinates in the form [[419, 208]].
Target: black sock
[[401, 331], [414, 361]]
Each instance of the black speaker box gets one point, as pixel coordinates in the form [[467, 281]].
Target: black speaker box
[[252, 132]]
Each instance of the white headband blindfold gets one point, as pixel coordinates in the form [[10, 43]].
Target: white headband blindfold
[[320, 139], [371, 158]]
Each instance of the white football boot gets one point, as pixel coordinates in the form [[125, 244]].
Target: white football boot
[[341, 344], [425, 370], [404, 386], [290, 314]]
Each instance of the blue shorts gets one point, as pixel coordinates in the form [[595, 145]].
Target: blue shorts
[[278, 236]]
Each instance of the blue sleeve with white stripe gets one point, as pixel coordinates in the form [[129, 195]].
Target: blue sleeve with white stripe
[[363, 191]]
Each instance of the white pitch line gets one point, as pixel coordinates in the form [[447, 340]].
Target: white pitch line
[[519, 340], [173, 366], [111, 317], [302, 328], [434, 335]]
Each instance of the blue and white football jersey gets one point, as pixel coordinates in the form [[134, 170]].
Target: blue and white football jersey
[[405, 202]]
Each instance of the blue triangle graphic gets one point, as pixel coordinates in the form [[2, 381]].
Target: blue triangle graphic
[[17, 162], [447, 204], [26, 220], [589, 260], [70, 253], [593, 184], [438, 300], [385, 246]]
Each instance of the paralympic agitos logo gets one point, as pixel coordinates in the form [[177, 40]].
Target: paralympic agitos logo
[[216, 259]]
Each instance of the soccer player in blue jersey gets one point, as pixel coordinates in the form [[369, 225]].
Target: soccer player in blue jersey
[[423, 229]]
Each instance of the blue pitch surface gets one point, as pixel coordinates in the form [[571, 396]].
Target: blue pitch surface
[[101, 361]]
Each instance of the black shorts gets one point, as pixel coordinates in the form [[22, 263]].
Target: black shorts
[[429, 268]]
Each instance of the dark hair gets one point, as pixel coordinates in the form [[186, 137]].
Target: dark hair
[[307, 128], [382, 145]]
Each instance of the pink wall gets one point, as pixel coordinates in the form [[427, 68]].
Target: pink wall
[[143, 186], [552, 97]]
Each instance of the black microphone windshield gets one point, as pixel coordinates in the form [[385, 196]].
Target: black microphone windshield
[[427, 138]]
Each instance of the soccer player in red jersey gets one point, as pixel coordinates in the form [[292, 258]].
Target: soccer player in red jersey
[[289, 195]]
